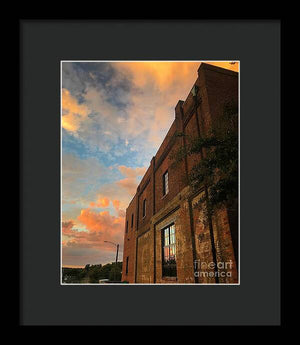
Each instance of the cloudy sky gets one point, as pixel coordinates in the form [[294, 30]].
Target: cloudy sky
[[114, 118]]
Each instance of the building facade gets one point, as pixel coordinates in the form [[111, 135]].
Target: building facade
[[166, 239]]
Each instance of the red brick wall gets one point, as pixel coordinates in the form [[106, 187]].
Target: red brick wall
[[145, 263], [129, 244], [203, 244], [191, 132], [146, 194], [222, 87], [176, 176], [224, 246]]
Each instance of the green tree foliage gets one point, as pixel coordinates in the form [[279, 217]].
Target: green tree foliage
[[115, 273], [72, 275], [92, 273], [217, 169]]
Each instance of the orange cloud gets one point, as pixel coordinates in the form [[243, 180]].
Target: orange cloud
[[116, 204], [73, 112], [95, 221], [100, 227], [132, 172], [130, 184], [73, 266], [164, 74], [101, 202], [104, 202]]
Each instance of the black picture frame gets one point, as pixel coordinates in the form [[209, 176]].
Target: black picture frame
[[256, 44]]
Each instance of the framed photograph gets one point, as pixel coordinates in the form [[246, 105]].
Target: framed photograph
[[150, 167], [150, 172]]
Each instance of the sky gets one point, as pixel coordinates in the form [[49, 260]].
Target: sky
[[114, 116]]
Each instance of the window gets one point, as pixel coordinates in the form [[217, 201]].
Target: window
[[165, 183], [132, 220], [126, 226], [169, 251], [127, 260], [144, 208]]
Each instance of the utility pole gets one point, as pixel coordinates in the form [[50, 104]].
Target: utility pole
[[117, 245], [116, 262]]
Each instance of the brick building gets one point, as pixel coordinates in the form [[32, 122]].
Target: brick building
[[165, 237]]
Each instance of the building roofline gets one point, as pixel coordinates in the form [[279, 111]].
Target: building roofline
[[203, 66]]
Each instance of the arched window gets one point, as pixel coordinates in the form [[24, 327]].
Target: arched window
[[169, 251]]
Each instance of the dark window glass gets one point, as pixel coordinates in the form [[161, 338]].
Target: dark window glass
[[144, 208], [132, 220], [165, 183], [127, 260], [127, 226], [169, 251]]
